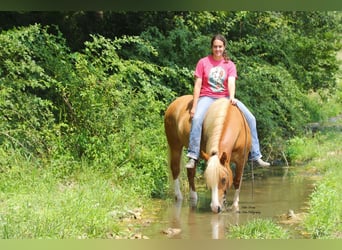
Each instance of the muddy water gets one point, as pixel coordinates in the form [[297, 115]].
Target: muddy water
[[271, 193]]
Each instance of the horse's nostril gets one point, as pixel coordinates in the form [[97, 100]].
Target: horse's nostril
[[218, 209]]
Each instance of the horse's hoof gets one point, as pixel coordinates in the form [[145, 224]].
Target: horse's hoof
[[193, 195], [178, 198]]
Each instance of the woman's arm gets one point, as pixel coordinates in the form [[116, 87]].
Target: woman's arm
[[197, 90], [231, 89]]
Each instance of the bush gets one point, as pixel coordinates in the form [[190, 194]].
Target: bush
[[33, 63], [93, 106]]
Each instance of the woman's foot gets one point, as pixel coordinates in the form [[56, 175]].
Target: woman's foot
[[191, 163], [262, 163]]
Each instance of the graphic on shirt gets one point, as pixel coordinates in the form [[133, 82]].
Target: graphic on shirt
[[216, 79]]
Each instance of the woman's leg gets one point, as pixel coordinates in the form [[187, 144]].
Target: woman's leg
[[255, 154], [255, 149], [196, 126]]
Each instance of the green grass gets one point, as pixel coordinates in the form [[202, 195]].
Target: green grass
[[258, 229], [324, 219], [324, 155], [37, 204]]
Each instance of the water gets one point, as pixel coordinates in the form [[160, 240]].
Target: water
[[272, 193]]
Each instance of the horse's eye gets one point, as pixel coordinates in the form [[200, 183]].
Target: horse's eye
[[223, 181]]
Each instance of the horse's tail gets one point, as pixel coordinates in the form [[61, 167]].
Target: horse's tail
[[212, 171]]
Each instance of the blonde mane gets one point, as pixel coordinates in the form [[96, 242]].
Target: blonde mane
[[212, 171], [212, 129]]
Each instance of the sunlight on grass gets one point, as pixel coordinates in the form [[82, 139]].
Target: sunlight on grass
[[35, 204]]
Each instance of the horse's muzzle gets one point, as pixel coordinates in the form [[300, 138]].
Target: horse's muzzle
[[216, 210]]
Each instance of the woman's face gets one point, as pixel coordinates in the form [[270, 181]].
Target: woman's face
[[217, 49]]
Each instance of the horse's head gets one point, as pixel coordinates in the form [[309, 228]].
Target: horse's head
[[219, 178]]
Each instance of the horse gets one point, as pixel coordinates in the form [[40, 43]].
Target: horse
[[225, 139]]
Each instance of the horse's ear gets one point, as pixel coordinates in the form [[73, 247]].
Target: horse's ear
[[204, 155], [223, 158]]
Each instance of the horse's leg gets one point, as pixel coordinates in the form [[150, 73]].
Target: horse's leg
[[237, 184], [230, 182], [175, 160], [235, 205], [191, 172]]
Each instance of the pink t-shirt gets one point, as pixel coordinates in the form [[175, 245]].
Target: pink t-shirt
[[214, 75]]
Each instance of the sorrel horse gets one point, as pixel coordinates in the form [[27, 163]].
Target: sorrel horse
[[225, 138]]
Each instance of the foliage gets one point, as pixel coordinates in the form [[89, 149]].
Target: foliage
[[314, 142], [179, 46], [300, 150], [92, 105], [118, 107], [33, 63], [268, 48]]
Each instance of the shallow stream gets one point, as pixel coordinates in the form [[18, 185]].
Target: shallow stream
[[270, 194]]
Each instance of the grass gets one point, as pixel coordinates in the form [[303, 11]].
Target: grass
[[258, 229], [324, 219], [37, 204]]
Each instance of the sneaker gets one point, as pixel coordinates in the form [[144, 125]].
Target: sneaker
[[191, 163], [262, 163]]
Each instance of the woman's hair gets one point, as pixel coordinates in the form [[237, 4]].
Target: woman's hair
[[223, 39]]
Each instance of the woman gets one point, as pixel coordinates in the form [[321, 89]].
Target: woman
[[215, 77]]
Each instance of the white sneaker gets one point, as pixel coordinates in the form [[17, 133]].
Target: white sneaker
[[191, 163], [262, 163]]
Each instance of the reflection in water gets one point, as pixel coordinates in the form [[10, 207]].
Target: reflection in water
[[194, 224], [272, 192]]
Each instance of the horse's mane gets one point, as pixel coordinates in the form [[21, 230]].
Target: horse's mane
[[212, 129], [212, 171]]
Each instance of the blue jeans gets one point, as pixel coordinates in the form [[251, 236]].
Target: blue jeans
[[203, 104]]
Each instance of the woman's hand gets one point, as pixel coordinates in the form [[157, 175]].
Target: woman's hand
[[192, 112], [233, 101]]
